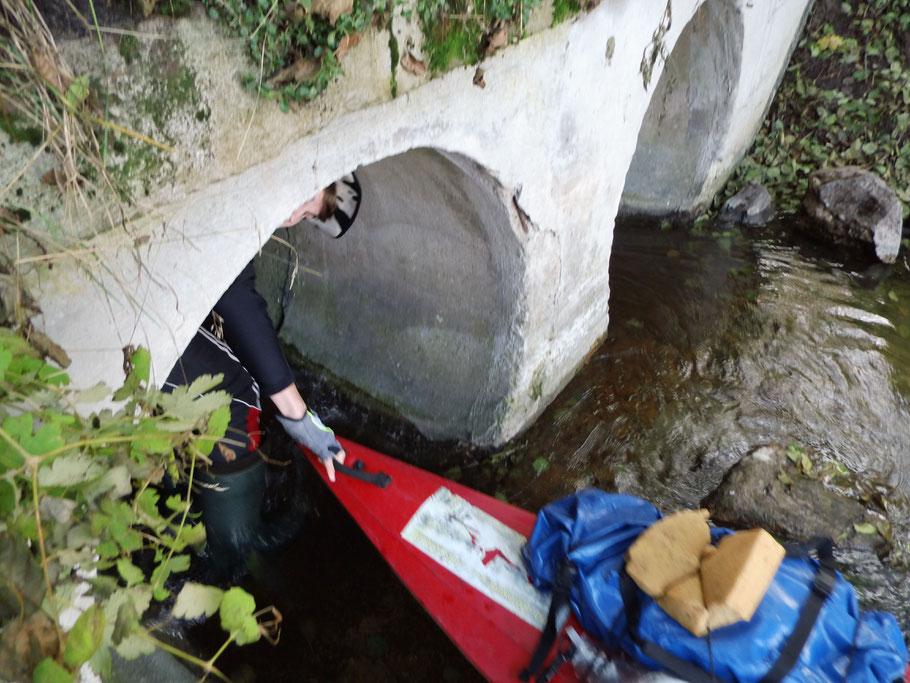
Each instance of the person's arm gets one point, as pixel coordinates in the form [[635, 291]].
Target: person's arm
[[249, 332]]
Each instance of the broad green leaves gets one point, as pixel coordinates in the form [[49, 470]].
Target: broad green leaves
[[237, 607], [84, 638], [195, 599], [92, 483], [843, 101]]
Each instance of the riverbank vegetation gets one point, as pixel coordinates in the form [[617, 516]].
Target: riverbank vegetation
[[843, 101], [87, 541]]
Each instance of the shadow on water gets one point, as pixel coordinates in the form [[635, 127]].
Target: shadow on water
[[719, 341]]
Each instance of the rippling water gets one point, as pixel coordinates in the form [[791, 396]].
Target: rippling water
[[723, 341]]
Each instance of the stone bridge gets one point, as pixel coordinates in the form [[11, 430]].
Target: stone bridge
[[475, 280]]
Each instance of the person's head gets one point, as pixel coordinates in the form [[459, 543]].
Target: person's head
[[322, 205]]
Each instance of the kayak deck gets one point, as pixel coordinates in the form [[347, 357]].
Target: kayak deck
[[458, 557]]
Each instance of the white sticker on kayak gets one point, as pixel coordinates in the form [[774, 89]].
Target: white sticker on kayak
[[478, 549]]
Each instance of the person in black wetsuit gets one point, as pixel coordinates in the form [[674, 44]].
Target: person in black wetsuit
[[238, 341]]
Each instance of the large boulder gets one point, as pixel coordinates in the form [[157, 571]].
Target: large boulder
[[851, 206], [766, 490]]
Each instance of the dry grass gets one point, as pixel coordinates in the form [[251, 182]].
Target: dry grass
[[39, 91]]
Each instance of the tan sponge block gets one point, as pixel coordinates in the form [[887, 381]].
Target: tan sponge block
[[684, 602], [734, 579], [668, 551]]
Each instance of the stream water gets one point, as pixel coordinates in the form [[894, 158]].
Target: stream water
[[719, 340]]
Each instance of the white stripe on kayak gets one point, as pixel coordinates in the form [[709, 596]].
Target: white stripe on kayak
[[480, 550]]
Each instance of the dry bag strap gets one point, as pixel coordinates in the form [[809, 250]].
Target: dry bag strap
[[631, 599], [822, 587], [556, 618]]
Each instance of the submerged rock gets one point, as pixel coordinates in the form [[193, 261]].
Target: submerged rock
[[751, 206], [851, 206], [766, 490]]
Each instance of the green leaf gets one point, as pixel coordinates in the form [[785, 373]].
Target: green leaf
[[541, 465], [70, 470], [865, 528], [48, 671], [147, 505], [795, 453], [77, 92], [84, 638], [175, 503], [130, 386], [126, 623], [237, 607], [196, 599], [130, 572], [7, 498], [218, 424], [177, 564], [892, 295], [94, 394], [142, 363], [101, 662], [784, 478], [135, 645], [193, 535]]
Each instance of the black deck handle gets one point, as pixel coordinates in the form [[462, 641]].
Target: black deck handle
[[380, 479]]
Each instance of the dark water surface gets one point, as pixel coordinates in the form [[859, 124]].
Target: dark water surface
[[719, 341]]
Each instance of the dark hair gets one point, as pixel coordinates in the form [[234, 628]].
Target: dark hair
[[329, 202]]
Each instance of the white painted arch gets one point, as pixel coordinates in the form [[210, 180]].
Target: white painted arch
[[552, 137]]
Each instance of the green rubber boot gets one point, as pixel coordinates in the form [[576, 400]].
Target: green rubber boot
[[231, 505]]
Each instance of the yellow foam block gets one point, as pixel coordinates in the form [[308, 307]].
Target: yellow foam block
[[684, 602], [735, 578], [668, 551]]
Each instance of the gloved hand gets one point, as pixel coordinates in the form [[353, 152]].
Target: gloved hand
[[310, 432]]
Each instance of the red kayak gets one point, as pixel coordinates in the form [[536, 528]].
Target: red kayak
[[457, 551]]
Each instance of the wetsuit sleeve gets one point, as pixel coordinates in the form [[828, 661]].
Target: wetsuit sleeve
[[249, 332]]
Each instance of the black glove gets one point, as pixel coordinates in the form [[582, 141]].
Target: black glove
[[310, 432]]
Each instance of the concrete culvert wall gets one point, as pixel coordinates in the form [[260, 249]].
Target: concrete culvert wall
[[688, 116], [417, 303]]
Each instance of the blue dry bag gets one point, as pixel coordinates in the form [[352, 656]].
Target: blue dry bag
[[807, 628]]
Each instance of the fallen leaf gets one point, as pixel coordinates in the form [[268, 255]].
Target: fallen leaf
[[346, 43], [298, 72], [332, 8], [498, 40], [51, 70], [53, 177], [478, 78], [412, 65]]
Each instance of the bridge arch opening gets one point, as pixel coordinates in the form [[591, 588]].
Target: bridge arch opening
[[417, 305], [688, 116]]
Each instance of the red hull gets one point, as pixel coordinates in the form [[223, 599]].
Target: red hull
[[497, 642]]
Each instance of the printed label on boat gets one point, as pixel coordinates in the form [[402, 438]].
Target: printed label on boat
[[478, 549]]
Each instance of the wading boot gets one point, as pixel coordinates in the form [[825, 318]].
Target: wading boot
[[231, 505]]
